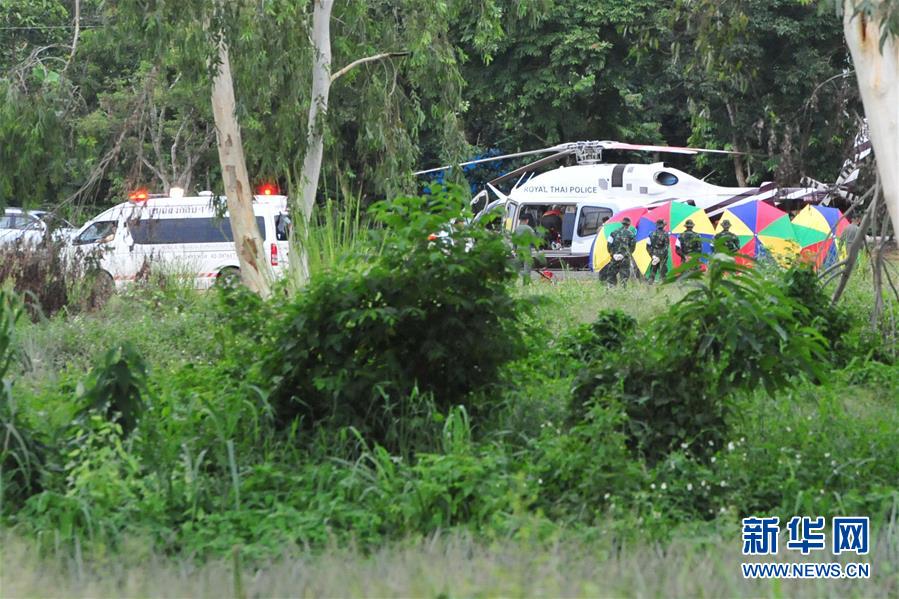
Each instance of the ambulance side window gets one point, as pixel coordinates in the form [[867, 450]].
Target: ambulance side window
[[185, 230], [591, 219], [99, 232]]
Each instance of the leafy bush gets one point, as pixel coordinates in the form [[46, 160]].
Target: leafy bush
[[607, 333], [432, 313], [21, 454], [735, 329], [116, 387], [580, 470], [801, 284]]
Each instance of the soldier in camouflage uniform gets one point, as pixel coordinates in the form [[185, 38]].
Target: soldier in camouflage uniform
[[621, 245], [725, 240], [689, 243], [658, 251]]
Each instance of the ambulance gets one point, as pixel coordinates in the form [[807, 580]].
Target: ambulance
[[179, 236]]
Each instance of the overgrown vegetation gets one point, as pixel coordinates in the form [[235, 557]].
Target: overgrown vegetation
[[378, 405]]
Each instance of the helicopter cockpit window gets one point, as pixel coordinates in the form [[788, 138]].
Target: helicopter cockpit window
[[666, 179], [591, 219]]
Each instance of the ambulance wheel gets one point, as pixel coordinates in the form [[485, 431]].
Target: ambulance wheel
[[228, 277], [101, 286]]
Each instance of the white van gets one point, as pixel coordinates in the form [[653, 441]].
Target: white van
[[182, 236]]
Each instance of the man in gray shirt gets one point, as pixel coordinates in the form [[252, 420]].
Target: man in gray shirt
[[850, 233]]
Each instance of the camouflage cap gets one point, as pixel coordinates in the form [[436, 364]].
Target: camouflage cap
[[626, 220], [660, 222], [725, 224], [689, 223]]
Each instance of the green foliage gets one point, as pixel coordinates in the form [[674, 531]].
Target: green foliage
[[610, 330], [116, 387], [21, 454], [581, 471], [206, 468], [429, 314], [801, 284], [570, 58], [32, 146], [735, 329], [743, 92]]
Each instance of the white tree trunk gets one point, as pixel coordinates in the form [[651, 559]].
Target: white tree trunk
[[878, 81], [254, 269], [318, 108]]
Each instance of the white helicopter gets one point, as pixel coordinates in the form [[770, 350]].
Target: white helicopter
[[586, 194]]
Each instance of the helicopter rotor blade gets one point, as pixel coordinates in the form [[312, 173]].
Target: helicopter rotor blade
[[492, 158], [617, 145], [531, 166]]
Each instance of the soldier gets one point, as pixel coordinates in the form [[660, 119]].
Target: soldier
[[726, 240], [621, 245], [658, 251], [689, 243]]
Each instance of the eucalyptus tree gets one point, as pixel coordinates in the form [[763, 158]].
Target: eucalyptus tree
[[872, 34]]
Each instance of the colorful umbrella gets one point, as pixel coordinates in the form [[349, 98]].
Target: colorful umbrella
[[763, 230], [675, 214], [599, 253], [816, 228]]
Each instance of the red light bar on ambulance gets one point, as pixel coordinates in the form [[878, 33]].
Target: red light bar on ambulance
[[138, 195], [267, 189]]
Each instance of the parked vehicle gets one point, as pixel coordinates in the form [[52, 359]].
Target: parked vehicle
[[183, 236], [31, 227]]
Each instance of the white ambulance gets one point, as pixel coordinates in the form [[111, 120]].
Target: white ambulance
[[178, 236]]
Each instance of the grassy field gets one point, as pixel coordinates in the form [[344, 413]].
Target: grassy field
[[812, 448], [445, 566]]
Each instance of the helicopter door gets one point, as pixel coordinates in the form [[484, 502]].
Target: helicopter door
[[589, 220], [510, 220]]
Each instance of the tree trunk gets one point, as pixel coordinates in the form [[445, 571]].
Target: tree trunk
[[877, 72], [315, 128], [738, 160], [254, 270]]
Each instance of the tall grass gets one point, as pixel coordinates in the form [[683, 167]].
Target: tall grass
[[338, 230], [440, 566]]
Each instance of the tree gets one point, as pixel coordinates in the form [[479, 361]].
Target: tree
[[422, 35], [563, 72], [752, 72], [872, 34], [254, 271]]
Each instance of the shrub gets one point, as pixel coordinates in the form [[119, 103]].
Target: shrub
[[432, 313], [606, 334], [801, 284], [21, 454], [735, 329], [116, 387], [48, 281], [579, 471], [816, 449]]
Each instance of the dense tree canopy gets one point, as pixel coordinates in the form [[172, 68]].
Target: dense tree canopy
[[130, 106]]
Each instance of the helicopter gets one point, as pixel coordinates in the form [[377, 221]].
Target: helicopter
[[587, 193]]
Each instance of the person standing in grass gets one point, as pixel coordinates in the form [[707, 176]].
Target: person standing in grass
[[621, 245], [689, 243], [725, 240], [658, 251], [850, 232]]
